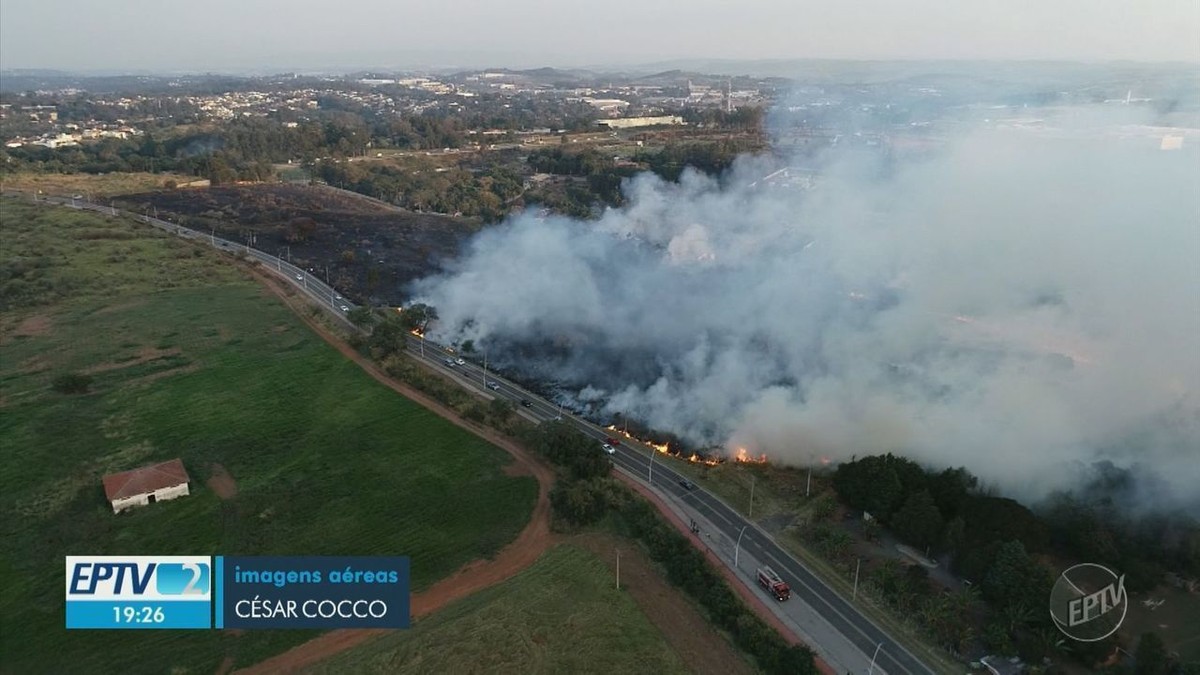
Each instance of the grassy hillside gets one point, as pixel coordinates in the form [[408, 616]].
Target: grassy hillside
[[563, 615], [190, 360]]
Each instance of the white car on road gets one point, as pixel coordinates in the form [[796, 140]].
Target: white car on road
[[460, 362], [609, 449]]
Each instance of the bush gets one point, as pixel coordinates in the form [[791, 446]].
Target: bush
[[72, 383]]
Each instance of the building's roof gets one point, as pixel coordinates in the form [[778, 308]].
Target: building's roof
[[144, 480]]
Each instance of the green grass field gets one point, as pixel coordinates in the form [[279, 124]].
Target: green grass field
[[562, 615], [191, 360]]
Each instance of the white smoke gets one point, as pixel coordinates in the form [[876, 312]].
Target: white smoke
[[1022, 304]]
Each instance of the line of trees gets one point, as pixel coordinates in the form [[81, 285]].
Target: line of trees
[[586, 494], [997, 543], [486, 195]]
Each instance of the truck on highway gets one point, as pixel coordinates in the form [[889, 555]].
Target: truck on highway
[[768, 579]]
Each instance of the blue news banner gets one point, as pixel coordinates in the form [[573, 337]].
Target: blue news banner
[[312, 592], [188, 592]]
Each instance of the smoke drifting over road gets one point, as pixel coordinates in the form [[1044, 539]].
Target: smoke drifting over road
[[1023, 304]]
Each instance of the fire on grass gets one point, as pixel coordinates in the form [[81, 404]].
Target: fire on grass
[[741, 455]]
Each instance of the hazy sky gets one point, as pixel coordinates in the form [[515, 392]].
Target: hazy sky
[[235, 34]]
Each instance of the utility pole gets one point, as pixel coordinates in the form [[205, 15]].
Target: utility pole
[[738, 545], [485, 384], [856, 568], [808, 483], [872, 669], [214, 236], [753, 479], [650, 480], [618, 569]]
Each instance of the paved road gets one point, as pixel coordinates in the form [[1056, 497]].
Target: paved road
[[636, 459], [861, 632]]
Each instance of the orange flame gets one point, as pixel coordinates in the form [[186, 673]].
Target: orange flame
[[694, 458], [744, 457], [662, 448]]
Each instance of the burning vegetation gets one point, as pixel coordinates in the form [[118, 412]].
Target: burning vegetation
[[676, 448]]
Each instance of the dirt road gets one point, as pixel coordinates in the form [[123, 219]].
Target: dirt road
[[473, 577]]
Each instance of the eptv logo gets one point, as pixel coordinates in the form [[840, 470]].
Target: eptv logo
[[139, 578], [1088, 602]]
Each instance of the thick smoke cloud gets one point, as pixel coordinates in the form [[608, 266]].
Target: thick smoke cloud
[[1023, 304]]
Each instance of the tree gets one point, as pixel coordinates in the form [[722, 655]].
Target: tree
[[954, 535], [361, 316], [869, 484], [388, 338], [1016, 617], [991, 519], [996, 638], [918, 521], [500, 408], [950, 490], [418, 316], [1015, 579], [1151, 657]]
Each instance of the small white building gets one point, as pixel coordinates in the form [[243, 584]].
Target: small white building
[[634, 122], [140, 487]]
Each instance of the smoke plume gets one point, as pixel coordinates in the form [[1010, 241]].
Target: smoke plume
[[1024, 303]]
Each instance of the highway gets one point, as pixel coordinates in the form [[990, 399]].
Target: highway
[[635, 459]]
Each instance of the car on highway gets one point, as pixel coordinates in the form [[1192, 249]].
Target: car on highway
[[345, 308], [448, 362], [609, 449], [526, 403], [299, 277], [460, 362], [337, 296], [612, 441], [494, 386], [687, 484]]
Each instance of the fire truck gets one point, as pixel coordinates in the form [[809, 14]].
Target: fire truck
[[768, 579]]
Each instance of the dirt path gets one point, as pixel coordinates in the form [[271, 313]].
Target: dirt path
[[221, 482], [752, 599], [689, 634], [473, 577]]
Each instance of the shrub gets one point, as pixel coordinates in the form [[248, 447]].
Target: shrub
[[72, 383]]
